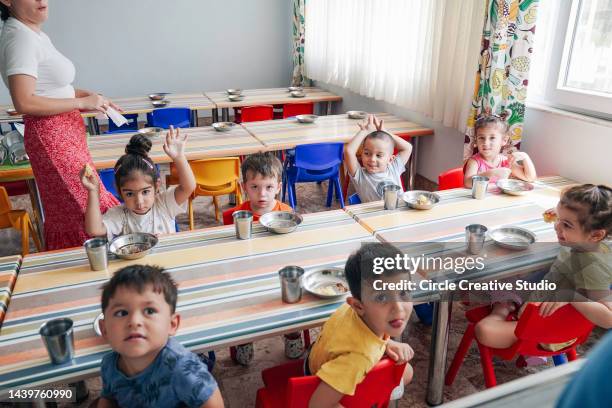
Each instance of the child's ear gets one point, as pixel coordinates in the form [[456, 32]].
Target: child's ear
[[175, 321], [102, 325], [598, 235], [356, 305]]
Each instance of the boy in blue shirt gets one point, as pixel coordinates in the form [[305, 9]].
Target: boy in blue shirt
[[147, 366]]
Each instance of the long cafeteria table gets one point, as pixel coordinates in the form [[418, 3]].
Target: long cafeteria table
[[9, 267]]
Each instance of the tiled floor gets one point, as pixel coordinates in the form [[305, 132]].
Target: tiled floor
[[239, 384]]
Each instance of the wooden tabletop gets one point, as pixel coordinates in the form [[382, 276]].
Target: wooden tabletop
[[9, 267], [288, 133], [270, 96], [142, 104], [229, 293]]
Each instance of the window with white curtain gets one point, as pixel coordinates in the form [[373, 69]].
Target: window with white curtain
[[421, 55]]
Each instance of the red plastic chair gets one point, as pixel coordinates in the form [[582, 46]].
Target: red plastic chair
[[531, 330], [294, 109], [287, 387], [452, 178], [253, 113]]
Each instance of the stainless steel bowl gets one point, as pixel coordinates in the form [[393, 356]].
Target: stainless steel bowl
[[17, 153], [297, 94], [223, 126], [357, 114], [421, 200], [151, 131], [159, 96], [514, 187], [233, 91], [235, 98], [306, 118], [281, 222], [11, 138], [3, 153], [132, 246], [513, 237], [295, 88], [160, 104], [96, 324], [326, 282], [12, 112]]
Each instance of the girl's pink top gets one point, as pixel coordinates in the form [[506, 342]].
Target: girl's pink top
[[484, 166]]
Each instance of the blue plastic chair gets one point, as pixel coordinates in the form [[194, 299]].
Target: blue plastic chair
[[108, 179], [354, 199], [179, 117], [314, 162], [130, 127]]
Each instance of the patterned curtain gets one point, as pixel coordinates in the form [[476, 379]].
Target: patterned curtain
[[503, 71], [298, 43]]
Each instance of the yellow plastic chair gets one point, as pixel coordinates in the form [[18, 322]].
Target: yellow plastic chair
[[19, 220], [215, 177]]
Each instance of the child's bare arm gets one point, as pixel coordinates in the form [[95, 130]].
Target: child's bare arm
[[471, 168], [525, 171], [93, 217], [215, 400], [599, 313], [404, 148], [174, 146], [325, 397], [350, 151], [398, 351]]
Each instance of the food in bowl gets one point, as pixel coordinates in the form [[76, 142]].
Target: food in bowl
[[333, 289], [132, 249], [423, 200]]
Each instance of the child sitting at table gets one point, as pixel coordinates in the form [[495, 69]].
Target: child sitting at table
[[356, 336], [145, 208], [582, 272], [261, 180], [378, 163], [491, 135], [148, 367]]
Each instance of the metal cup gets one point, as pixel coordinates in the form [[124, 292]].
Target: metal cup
[[243, 221], [391, 196], [475, 235], [58, 339], [97, 253], [479, 187], [291, 283]]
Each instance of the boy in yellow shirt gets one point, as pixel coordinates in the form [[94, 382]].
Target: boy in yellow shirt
[[356, 336]]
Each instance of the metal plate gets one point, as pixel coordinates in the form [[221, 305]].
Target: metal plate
[[234, 91], [326, 282], [223, 126], [158, 96], [150, 131], [357, 114], [160, 104], [281, 222], [295, 88], [306, 118], [235, 98], [297, 94], [96, 324], [132, 246], [514, 187], [513, 237], [421, 200]]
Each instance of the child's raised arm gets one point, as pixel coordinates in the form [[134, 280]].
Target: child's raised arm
[[404, 148], [526, 171], [93, 217], [174, 146], [351, 149]]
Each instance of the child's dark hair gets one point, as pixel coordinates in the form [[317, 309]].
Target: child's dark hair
[[5, 13], [491, 120], [266, 164], [360, 265], [138, 277], [593, 205], [136, 158], [379, 135]]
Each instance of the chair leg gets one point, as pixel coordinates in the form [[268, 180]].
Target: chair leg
[[284, 191], [571, 354], [190, 210], [338, 189], [25, 239], [330, 193], [306, 339], [34, 235], [462, 350], [486, 360], [216, 204], [291, 194]]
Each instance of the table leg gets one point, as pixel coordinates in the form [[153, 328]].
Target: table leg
[[329, 108], [215, 115], [437, 354], [225, 114], [39, 215], [413, 162], [194, 117], [92, 126]]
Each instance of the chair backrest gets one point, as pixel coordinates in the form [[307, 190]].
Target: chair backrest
[[130, 126], [228, 218], [452, 178], [318, 156], [354, 199], [108, 179], [294, 109], [562, 326], [373, 391], [179, 117], [257, 113], [216, 172], [5, 202]]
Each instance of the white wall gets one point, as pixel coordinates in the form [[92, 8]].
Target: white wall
[[133, 47], [437, 153], [572, 146]]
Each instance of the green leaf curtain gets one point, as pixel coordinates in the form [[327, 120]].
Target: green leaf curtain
[[503, 71], [298, 43]]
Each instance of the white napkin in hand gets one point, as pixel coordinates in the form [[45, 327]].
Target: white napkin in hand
[[117, 118]]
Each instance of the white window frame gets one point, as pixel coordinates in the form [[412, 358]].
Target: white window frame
[[557, 93]]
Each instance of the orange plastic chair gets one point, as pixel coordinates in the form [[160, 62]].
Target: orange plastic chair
[[286, 386], [531, 330], [19, 220], [215, 177], [294, 109], [452, 178], [253, 113]]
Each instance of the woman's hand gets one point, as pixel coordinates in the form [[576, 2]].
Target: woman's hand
[[174, 145], [89, 179], [92, 101], [399, 352]]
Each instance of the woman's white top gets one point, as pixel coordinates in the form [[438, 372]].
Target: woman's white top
[[24, 51]]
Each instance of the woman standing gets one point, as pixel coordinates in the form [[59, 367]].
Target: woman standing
[[40, 80]]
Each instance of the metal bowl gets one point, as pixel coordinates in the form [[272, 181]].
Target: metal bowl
[[512, 237], [421, 200], [306, 118], [232, 91], [160, 104], [96, 324], [514, 187], [12, 112], [159, 96], [235, 98], [295, 88], [357, 114], [11, 138], [151, 131], [223, 126], [326, 282], [297, 94], [132, 246], [281, 222], [3, 153], [17, 153]]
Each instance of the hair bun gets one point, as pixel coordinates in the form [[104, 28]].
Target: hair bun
[[139, 145]]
